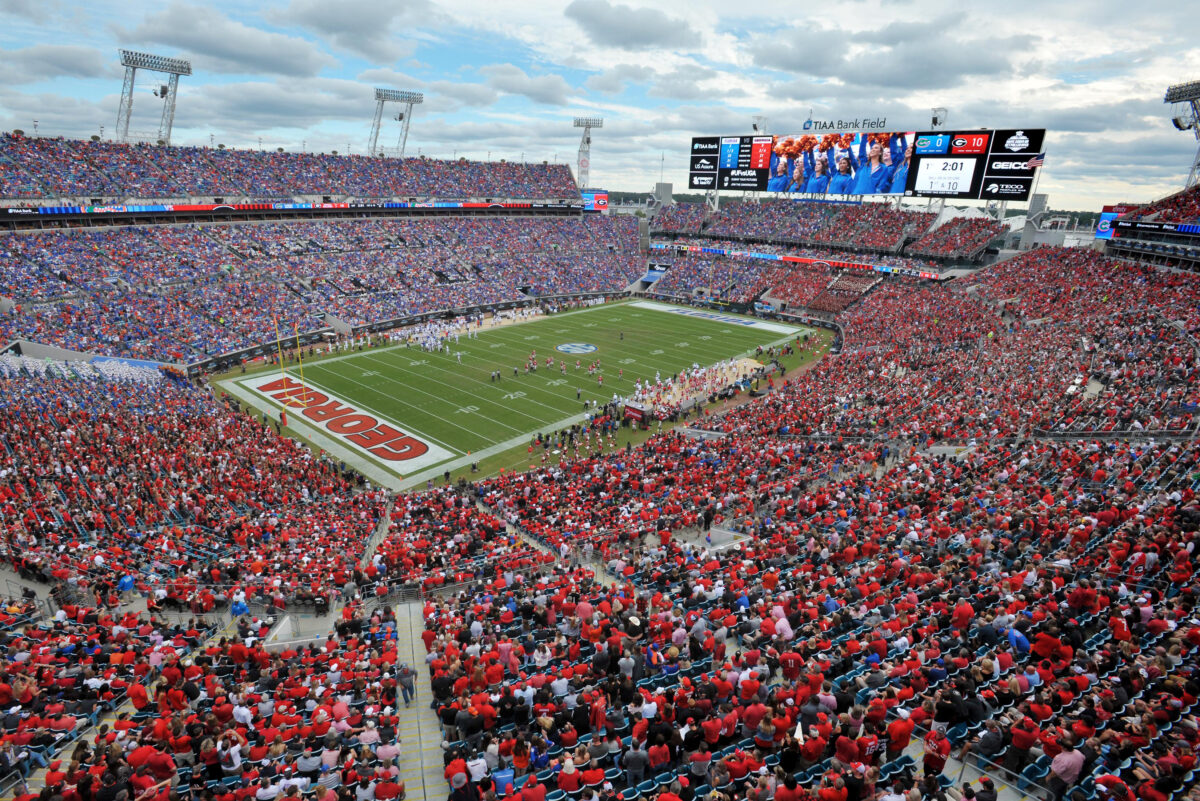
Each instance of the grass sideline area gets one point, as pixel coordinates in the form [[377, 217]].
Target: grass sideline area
[[462, 416]]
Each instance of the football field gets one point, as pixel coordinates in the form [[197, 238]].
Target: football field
[[403, 415]]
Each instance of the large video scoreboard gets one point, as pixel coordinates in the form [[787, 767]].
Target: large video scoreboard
[[981, 164]]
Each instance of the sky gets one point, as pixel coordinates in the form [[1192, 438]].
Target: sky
[[506, 79]]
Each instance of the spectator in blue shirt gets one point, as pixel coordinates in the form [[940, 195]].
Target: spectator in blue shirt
[[1018, 641]]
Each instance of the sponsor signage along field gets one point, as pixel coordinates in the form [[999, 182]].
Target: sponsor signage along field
[[359, 430], [1132, 227], [12, 212]]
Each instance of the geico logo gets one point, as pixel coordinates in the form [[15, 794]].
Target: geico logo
[[1010, 165]]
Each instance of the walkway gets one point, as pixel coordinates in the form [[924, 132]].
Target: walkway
[[419, 731]]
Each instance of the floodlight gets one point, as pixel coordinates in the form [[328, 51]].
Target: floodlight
[[149, 61]]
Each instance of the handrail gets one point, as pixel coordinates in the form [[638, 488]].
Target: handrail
[[10, 781], [1014, 780]]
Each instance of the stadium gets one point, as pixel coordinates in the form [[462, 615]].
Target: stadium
[[852, 471]]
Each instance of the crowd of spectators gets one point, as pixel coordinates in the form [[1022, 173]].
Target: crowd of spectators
[[42, 168], [738, 280], [679, 218], [962, 237], [1181, 207], [802, 284], [183, 293], [870, 226], [743, 278], [844, 291], [119, 476], [1027, 604], [804, 660]]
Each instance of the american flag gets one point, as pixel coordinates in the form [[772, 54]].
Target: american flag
[[1036, 161]]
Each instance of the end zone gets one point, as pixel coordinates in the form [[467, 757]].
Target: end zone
[[717, 317], [379, 448]]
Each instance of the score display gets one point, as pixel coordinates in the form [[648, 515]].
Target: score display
[[981, 164]]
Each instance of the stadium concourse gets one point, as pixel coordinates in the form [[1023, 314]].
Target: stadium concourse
[[955, 560]]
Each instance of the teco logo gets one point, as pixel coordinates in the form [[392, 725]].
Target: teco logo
[[1005, 189], [1011, 165]]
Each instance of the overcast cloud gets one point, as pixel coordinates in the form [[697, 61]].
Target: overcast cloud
[[507, 78]]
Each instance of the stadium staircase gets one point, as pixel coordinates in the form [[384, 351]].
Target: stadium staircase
[[419, 731]]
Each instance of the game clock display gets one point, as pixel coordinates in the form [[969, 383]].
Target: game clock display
[[944, 175]]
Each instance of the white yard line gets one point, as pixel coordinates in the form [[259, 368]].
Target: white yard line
[[491, 450]]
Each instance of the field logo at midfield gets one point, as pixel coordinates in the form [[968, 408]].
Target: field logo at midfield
[[575, 348], [362, 431]]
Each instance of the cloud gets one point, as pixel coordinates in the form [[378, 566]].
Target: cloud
[[613, 80], [36, 63], [684, 84], [627, 28], [216, 43], [1120, 115], [549, 89], [364, 27], [30, 9], [902, 55], [465, 94], [390, 79], [250, 107], [56, 114]]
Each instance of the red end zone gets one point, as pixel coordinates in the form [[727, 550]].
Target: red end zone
[[356, 429]]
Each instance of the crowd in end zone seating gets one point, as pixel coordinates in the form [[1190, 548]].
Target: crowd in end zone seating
[[45, 168], [679, 218], [188, 292], [960, 237], [1182, 207], [742, 279], [875, 226], [1027, 605]]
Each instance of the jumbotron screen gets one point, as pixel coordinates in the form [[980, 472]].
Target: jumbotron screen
[[974, 165]]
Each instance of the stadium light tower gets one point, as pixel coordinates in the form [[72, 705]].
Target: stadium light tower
[[585, 146], [403, 97], [937, 119], [1187, 97], [133, 61]]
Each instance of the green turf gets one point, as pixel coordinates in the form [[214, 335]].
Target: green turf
[[458, 407]]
